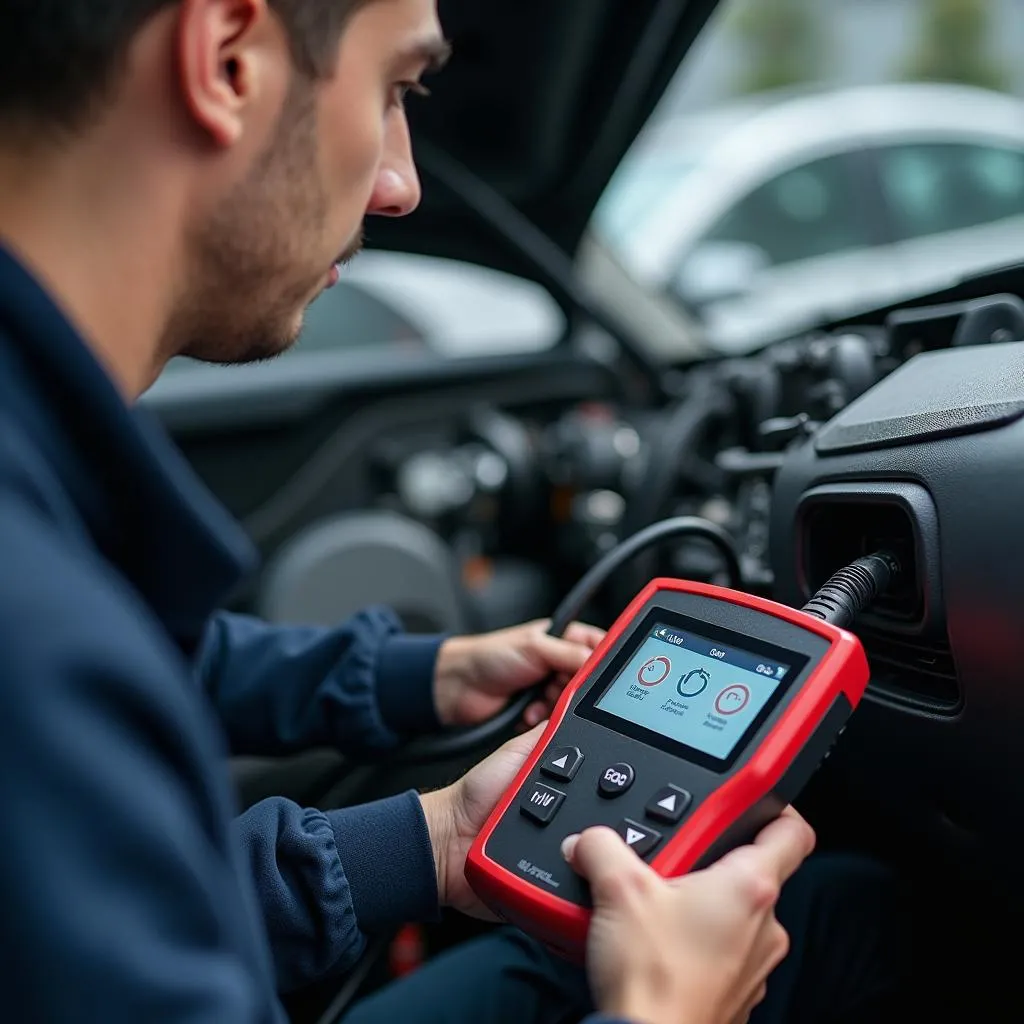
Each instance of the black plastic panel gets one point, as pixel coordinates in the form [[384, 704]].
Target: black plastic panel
[[937, 394], [949, 772], [994, 318]]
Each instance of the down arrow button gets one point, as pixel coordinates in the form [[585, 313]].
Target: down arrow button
[[638, 837]]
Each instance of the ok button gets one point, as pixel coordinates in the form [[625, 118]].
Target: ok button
[[616, 779]]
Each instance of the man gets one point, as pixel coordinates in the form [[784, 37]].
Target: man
[[181, 177]]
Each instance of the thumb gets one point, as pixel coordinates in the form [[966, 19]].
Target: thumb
[[604, 860], [504, 762], [521, 746]]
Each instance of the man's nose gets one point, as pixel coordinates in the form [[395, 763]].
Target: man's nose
[[397, 191]]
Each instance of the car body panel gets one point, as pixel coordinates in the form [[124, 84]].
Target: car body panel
[[743, 148]]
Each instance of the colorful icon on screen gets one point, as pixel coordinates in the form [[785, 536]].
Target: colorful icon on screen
[[654, 671], [732, 699], [693, 683]]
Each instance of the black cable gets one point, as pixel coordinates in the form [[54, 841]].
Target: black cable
[[456, 742], [853, 589], [667, 529]]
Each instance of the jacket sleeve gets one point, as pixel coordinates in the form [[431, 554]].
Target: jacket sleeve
[[359, 687], [328, 880], [123, 900], [125, 874]]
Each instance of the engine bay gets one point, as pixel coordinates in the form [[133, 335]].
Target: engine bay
[[481, 505], [474, 495]]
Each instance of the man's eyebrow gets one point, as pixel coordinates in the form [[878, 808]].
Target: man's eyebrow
[[433, 53]]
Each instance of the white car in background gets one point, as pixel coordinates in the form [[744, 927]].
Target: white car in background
[[731, 229], [721, 232]]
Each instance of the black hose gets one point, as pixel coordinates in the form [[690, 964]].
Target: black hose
[[853, 589], [456, 742]]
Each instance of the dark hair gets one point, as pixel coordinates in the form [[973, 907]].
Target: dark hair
[[60, 58]]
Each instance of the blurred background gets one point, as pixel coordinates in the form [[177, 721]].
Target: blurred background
[[765, 44], [825, 189], [812, 159], [819, 158]]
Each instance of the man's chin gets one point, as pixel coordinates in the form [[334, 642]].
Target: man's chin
[[252, 349], [271, 346]]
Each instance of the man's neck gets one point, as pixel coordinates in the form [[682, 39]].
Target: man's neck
[[91, 235]]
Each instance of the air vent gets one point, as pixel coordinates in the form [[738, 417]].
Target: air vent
[[915, 672], [837, 533], [837, 523]]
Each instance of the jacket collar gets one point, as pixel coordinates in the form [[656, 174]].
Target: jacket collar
[[146, 510]]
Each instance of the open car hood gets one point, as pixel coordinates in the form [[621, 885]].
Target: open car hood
[[540, 102]]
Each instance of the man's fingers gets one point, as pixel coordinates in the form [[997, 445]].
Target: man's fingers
[[763, 867], [601, 857], [561, 655], [535, 713], [581, 633], [791, 812], [541, 709], [785, 844]]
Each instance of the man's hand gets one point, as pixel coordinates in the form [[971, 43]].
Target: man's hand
[[477, 675], [691, 950], [456, 814]]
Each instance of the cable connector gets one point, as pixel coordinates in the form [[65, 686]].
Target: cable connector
[[854, 589]]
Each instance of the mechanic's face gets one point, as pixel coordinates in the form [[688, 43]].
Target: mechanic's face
[[339, 150]]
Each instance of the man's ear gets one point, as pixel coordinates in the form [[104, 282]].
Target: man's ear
[[227, 51]]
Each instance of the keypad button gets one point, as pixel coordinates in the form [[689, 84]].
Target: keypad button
[[540, 803], [616, 779], [562, 763], [638, 837], [669, 804]]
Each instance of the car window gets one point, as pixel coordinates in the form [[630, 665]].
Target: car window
[[801, 214], [943, 187], [347, 316], [459, 308], [634, 195], [344, 317]]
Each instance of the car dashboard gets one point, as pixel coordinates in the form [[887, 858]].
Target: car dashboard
[[472, 494]]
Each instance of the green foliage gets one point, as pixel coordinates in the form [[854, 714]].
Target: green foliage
[[954, 45], [783, 42]]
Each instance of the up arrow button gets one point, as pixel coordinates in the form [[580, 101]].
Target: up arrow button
[[562, 763], [669, 804]]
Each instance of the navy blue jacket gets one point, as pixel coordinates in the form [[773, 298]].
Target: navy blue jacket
[[130, 890]]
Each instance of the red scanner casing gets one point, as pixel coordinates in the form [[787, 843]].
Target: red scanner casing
[[781, 757]]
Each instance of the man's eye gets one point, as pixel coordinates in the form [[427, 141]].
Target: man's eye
[[400, 90]]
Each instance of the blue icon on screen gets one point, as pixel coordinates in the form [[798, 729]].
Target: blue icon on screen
[[693, 683]]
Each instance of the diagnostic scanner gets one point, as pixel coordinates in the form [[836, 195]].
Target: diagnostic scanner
[[702, 715]]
